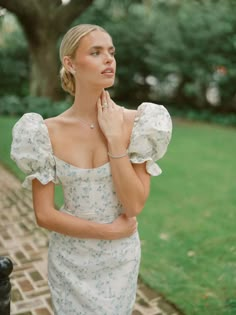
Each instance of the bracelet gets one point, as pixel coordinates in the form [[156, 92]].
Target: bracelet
[[117, 156]]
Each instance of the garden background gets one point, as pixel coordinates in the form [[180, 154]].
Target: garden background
[[180, 53]]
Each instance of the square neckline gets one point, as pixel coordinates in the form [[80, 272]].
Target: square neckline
[[80, 168], [136, 118]]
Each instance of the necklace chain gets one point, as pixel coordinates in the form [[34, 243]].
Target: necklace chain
[[91, 125]]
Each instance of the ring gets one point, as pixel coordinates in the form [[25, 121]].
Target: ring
[[105, 105]]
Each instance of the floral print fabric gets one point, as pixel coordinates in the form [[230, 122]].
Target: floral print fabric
[[88, 276], [150, 136]]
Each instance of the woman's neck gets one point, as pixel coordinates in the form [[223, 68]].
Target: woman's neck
[[85, 103]]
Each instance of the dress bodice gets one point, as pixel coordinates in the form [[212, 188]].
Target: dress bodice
[[89, 193]]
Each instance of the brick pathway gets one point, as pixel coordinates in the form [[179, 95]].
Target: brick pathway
[[26, 245]]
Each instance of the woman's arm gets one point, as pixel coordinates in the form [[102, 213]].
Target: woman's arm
[[132, 182], [50, 218]]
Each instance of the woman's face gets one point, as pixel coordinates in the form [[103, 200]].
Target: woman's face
[[94, 60]]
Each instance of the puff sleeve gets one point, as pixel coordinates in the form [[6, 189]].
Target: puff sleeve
[[32, 151], [150, 136]]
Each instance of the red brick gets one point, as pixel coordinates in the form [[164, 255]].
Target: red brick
[[25, 285], [43, 311]]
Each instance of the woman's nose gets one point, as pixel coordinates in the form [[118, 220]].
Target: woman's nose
[[109, 58]]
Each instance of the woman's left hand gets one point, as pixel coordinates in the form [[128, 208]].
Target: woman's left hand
[[110, 118]]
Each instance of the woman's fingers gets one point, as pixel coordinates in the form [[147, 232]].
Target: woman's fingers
[[124, 226], [109, 100], [105, 104], [106, 101]]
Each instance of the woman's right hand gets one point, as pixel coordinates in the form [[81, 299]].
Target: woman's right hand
[[123, 227]]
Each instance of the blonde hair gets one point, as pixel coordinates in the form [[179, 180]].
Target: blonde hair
[[69, 45]]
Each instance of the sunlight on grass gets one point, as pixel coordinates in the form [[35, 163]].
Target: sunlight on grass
[[193, 205]]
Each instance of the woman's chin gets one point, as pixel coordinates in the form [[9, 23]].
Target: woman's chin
[[107, 84]]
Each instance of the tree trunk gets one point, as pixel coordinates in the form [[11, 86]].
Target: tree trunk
[[43, 23], [44, 77]]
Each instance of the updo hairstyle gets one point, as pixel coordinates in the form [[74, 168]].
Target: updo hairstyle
[[69, 45]]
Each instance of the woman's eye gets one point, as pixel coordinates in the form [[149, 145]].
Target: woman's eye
[[113, 53], [95, 53]]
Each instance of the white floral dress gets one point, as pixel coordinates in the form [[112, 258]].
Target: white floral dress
[[88, 276]]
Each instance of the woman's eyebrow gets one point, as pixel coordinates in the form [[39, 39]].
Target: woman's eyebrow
[[102, 47]]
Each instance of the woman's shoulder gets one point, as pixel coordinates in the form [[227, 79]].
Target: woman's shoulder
[[52, 124], [129, 114], [56, 122]]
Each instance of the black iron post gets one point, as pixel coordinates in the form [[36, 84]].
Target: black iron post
[[6, 268]]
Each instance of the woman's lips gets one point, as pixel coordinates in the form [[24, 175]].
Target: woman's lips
[[108, 71]]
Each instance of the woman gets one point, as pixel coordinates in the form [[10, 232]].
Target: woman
[[103, 155]]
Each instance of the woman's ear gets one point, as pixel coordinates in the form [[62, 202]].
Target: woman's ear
[[68, 64]]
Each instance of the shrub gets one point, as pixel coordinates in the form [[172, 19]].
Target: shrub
[[15, 105]]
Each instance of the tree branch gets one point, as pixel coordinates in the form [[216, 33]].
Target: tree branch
[[20, 8], [51, 5], [65, 14], [45, 17], [28, 12]]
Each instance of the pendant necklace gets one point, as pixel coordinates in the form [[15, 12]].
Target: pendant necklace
[[92, 126]]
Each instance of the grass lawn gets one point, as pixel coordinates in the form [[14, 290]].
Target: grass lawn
[[188, 226]]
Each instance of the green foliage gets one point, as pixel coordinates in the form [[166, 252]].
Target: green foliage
[[121, 21], [44, 106], [206, 115], [14, 105], [184, 47], [171, 52], [195, 40], [14, 58], [132, 70], [11, 105]]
